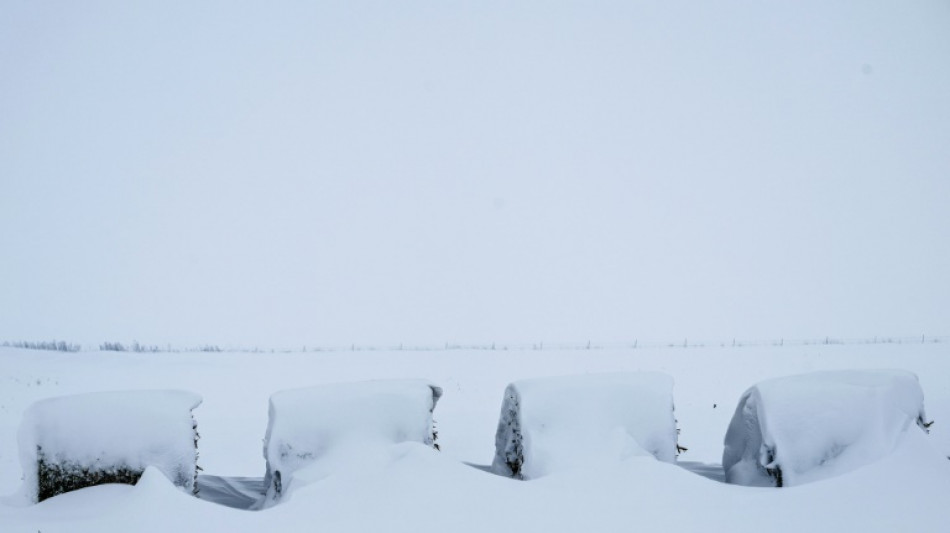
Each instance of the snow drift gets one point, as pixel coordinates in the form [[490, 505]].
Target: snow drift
[[552, 424], [334, 427], [70, 442], [793, 430]]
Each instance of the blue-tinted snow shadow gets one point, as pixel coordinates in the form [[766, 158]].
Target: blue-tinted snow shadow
[[236, 492], [711, 471], [483, 468]]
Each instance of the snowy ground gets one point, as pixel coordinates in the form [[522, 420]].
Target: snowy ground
[[415, 488]]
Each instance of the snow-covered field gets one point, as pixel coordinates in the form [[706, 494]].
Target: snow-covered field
[[411, 487]]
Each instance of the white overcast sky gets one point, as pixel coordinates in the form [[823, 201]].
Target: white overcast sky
[[290, 173]]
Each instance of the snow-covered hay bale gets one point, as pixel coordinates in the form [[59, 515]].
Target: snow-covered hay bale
[[341, 424], [553, 424], [70, 442], [793, 430]]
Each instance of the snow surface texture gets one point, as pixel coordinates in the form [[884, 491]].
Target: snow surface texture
[[553, 424], [410, 486], [793, 430], [71, 442], [315, 431]]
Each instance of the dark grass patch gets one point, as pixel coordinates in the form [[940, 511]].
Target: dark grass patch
[[60, 477], [55, 477]]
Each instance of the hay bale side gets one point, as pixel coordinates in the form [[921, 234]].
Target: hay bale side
[[552, 424], [72, 442], [747, 458], [54, 478], [509, 447], [798, 429], [336, 426]]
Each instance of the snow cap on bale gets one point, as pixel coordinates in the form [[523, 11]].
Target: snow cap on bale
[[793, 430], [70, 442], [553, 424], [334, 427]]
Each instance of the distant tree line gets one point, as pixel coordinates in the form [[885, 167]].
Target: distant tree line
[[144, 348], [135, 346], [59, 346]]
